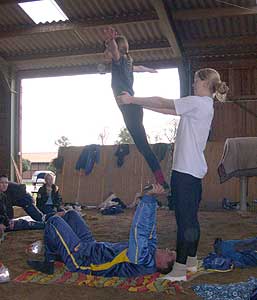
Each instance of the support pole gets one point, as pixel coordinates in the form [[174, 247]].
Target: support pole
[[243, 193]]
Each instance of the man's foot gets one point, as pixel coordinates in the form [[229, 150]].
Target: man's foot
[[42, 266], [178, 273]]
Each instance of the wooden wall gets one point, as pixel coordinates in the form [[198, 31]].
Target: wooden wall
[[129, 179], [234, 119]]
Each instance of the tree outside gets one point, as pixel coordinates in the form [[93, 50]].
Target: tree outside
[[124, 137], [26, 164], [63, 141]]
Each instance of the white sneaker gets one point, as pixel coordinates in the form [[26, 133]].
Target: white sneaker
[[192, 264], [192, 269], [173, 278], [178, 273]]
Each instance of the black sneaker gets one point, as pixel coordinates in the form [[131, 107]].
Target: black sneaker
[[42, 266], [166, 186]]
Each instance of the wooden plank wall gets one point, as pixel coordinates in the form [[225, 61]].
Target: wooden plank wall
[[231, 120], [105, 177], [130, 178], [5, 123]]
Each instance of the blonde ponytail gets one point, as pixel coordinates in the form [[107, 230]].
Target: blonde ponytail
[[221, 90], [218, 88]]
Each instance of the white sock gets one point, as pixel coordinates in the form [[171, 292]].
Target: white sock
[[192, 264]]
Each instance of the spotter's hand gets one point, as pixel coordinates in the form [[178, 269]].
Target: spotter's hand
[[124, 98]]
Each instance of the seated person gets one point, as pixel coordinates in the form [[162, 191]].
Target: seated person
[[17, 196], [70, 238], [48, 196], [6, 218]]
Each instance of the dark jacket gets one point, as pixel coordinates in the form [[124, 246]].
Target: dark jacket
[[15, 192], [4, 208], [42, 197], [88, 157]]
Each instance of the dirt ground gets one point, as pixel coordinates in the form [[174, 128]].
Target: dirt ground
[[228, 225]]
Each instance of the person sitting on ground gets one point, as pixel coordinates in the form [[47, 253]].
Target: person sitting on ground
[[70, 238], [6, 218], [17, 196], [48, 197]]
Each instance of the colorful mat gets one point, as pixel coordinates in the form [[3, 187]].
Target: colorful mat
[[148, 283]]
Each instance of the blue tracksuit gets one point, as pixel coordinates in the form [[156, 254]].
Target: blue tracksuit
[[126, 259]]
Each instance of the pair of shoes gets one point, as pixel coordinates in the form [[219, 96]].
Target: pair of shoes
[[42, 266]]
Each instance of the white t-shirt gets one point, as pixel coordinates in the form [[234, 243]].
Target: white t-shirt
[[196, 116]]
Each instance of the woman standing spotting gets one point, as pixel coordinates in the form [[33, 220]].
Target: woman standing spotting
[[189, 165]]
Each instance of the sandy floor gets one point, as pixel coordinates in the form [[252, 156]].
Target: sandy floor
[[228, 225]]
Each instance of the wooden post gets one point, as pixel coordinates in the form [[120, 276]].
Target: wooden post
[[243, 193]]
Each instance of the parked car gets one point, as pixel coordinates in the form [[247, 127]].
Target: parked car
[[38, 178]]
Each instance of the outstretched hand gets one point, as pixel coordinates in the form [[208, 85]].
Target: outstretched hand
[[110, 33], [152, 71], [124, 98]]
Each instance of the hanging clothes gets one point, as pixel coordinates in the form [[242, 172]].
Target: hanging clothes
[[160, 150], [121, 152], [88, 157]]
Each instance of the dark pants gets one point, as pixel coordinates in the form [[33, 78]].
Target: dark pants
[[26, 225], [30, 208], [133, 117], [187, 192]]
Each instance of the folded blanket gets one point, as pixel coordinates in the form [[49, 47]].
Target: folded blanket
[[239, 158], [238, 291]]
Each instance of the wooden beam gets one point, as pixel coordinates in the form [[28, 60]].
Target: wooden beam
[[97, 49], [166, 26], [89, 69], [207, 13], [128, 18]]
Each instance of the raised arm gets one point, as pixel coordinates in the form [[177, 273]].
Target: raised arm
[[111, 45], [142, 239]]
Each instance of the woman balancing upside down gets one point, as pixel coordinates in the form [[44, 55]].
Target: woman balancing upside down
[[122, 81], [189, 165]]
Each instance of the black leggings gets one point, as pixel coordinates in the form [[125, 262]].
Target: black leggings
[[187, 192], [133, 117]]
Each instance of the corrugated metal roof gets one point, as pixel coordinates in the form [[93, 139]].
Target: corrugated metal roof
[[195, 4], [81, 9], [79, 41], [40, 157], [217, 27], [13, 14]]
